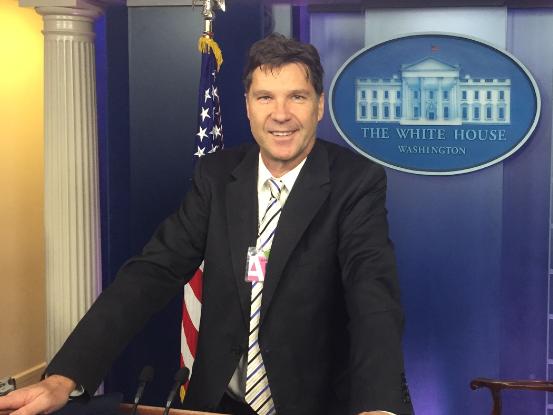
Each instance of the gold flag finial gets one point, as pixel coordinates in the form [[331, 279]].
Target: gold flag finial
[[206, 41]]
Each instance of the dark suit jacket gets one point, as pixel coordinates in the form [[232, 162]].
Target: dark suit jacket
[[331, 321]]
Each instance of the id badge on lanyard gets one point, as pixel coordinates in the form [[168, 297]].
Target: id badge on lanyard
[[256, 265]]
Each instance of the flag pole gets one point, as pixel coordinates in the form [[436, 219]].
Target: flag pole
[[209, 7], [206, 41]]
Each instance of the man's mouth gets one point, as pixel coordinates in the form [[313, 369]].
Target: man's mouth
[[282, 133]]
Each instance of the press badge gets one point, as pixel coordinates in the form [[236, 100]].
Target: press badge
[[256, 265]]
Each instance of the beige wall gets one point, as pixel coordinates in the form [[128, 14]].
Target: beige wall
[[22, 287]]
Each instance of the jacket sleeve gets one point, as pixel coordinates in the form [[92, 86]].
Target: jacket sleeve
[[377, 380], [142, 287]]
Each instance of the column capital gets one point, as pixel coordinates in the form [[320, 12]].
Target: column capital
[[84, 8]]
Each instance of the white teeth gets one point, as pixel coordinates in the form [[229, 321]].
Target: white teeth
[[281, 133]]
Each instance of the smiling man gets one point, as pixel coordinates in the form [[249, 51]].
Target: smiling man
[[301, 312]]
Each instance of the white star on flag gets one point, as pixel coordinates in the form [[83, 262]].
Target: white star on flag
[[202, 133], [205, 113], [207, 96], [216, 132], [200, 152]]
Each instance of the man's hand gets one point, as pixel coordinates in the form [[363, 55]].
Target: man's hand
[[41, 398]]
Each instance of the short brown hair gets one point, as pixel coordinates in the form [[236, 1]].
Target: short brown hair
[[277, 50]]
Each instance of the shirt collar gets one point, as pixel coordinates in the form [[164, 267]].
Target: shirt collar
[[288, 179]]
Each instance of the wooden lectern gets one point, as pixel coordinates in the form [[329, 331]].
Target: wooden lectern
[[126, 409]]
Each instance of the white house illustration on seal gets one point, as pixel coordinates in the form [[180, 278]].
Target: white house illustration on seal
[[431, 92]]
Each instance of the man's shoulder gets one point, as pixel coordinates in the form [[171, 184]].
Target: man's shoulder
[[226, 159], [343, 160]]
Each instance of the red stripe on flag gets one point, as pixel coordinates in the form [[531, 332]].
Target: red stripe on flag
[[190, 332], [196, 284]]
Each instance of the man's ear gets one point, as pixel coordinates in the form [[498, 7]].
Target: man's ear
[[321, 108], [247, 105]]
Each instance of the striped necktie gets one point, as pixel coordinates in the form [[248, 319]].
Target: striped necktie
[[258, 393]]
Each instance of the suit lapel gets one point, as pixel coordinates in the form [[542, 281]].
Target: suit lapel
[[241, 196], [308, 194]]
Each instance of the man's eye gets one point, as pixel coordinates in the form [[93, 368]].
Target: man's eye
[[298, 98], [264, 98]]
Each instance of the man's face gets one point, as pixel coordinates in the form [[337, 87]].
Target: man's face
[[284, 110]]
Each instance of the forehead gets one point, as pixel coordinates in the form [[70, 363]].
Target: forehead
[[290, 76]]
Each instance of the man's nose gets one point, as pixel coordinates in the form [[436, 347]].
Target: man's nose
[[281, 112]]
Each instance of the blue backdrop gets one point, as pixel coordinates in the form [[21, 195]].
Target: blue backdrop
[[472, 249]]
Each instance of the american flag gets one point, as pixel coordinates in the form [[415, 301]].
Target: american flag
[[208, 139]]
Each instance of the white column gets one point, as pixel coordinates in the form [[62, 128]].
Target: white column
[[439, 101], [72, 220], [455, 100], [406, 108]]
